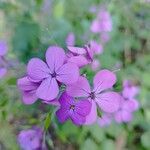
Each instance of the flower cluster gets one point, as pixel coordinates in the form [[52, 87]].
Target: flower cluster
[[128, 105], [85, 55], [79, 101], [102, 24], [3, 51]]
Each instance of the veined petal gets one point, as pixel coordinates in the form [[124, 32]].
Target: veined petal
[[37, 70], [83, 107], [62, 115], [80, 60], [79, 89], [68, 73], [48, 90], [109, 101], [77, 50], [92, 116], [104, 79], [26, 85], [29, 98], [55, 57]]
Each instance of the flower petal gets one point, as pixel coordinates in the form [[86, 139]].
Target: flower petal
[[29, 98], [62, 115], [77, 119], [3, 48], [130, 105], [68, 73], [79, 89], [77, 50], [54, 102], [37, 70], [92, 116], [108, 102], [104, 79], [26, 85], [55, 57], [83, 107], [48, 90], [123, 116], [80, 60]]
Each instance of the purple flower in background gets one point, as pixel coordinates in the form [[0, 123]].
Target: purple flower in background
[[96, 47], [3, 48], [70, 40], [51, 73], [102, 23], [128, 103], [105, 120], [124, 114], [76, 110], [129, 90], [107, 101], [31, 139]]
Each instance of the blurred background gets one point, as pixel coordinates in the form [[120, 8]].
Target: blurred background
[[28, 27]]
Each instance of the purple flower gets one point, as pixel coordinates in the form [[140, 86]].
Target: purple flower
[[124, 114], [51, 73], [28, 89], [76, 110], [96, 47], [102, 23], [3, 48], [70, 40], [105, 120], [80, 56], [129, 90], [107, 101], [31, 139]]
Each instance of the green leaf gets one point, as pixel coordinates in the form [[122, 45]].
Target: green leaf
[[47, 121]]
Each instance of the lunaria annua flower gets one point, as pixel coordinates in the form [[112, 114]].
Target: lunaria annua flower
[[75, 110], [51, 73], [31, 139], [107, 101], [128, 103], [102, 23]]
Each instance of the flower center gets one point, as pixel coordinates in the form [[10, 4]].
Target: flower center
[[72, 107], [92, 95], [53, 74]]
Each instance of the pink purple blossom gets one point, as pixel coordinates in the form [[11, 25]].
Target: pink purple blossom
[[76, 110], [51, 73], [128, 103], [102, 23], [31, 139], [100, 95]]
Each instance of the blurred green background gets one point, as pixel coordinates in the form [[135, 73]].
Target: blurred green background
[[30, 26]]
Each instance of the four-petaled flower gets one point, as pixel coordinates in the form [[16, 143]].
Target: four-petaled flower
[[107, 101], [52, 73], [76, 110]]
